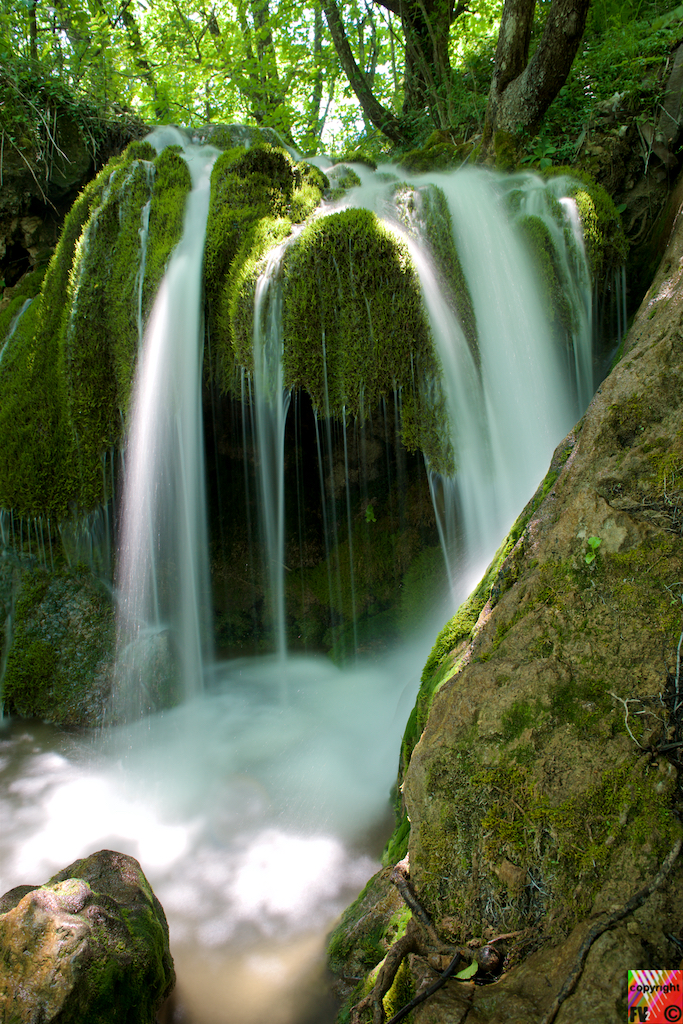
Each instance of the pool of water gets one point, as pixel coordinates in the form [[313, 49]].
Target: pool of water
[[257, 812]]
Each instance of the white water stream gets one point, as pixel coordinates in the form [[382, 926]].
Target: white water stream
[[253, 815], [163, 572]]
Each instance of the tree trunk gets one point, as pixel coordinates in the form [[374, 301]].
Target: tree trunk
[[521, 90], [33, 30], [372, 108]]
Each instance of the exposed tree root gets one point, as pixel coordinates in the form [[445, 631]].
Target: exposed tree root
[[420, 938]]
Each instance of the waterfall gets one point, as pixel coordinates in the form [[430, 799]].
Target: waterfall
[[163, 571], [253, 808], [525, 395], [271, 404], [514, 395]]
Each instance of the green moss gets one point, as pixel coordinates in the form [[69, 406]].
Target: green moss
[[250, 261], [67, 377], [63, 635], [603, 233], [505, 150], [549, 273], [397, 846], [400, 993], [567, 846], [437, 154], [172, 183], [522, 715], [354, 328], [357, 156], [27, 288], [36, 473], [256, 194]]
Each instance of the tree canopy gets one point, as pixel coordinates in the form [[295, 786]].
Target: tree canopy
[[330, 73]]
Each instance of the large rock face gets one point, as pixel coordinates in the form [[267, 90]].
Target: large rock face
[[544, 790], [90, 945]]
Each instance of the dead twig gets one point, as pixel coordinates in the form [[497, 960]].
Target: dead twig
[[602, 926], [441, 980], [400, 877], [630, 700]]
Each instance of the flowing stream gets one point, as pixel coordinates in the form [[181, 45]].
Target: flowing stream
[[258, 807]]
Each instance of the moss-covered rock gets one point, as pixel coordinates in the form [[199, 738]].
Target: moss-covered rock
[[505, 151], [603, 233], [65, 378], [90, 945], [59, 666], [355, 330], [438, 153], [256, 196]]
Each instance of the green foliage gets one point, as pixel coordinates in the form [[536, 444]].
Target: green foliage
[[593, 544], [542, 154], [625, 44]]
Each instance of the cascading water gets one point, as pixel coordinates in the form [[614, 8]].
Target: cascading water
[[525, 395], [251, 814], [271, 404], [162, 577], [511, 400]]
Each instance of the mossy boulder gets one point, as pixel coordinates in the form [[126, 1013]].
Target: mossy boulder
[[89, 945], [355, 330]]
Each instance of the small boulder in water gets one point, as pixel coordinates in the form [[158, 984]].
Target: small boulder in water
[[90, 945]]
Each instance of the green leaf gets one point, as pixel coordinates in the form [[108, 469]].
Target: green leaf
[[468, 972]]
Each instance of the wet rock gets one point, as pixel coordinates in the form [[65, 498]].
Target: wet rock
[[58, 643], [90, 945]]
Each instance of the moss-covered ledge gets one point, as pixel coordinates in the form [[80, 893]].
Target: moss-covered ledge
[[66, 374], [355, 330]]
